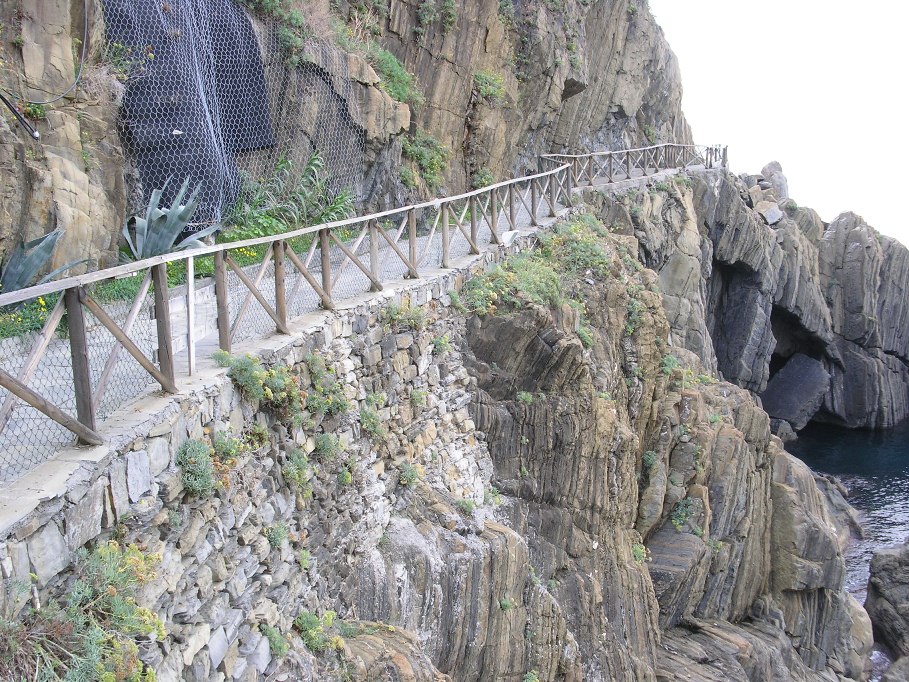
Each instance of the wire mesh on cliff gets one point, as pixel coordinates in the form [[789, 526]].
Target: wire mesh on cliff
[[211, 96]]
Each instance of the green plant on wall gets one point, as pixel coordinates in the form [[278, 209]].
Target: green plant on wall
[[430, 156], [288, 198], [94, 634]]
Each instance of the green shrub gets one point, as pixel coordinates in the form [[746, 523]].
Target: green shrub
[[276, 534], [466, 507], [492, 496], [297, 471], [482, 178], [316, 632], [371, 423], [276, 388], [532, 676], [94, 634], [489, 86], [327, 393], [640, 552], [506, 604], [442, 344], [345, 476], [682, 512], [395, 79], [287, 198], [506, 13], [449, 11], [328, 447], [649, 458], [399, 319], [418, 397], [456, 302], [303, 559], [525, 278], [430, 155], [650, 134], [668, 364], [277, 644], [408, 475], [226, 447], [525, 397], [197, 471]]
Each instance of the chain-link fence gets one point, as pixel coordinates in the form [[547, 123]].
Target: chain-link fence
[[211, 96]]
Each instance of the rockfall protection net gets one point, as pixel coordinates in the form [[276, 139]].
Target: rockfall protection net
[[210, 96]]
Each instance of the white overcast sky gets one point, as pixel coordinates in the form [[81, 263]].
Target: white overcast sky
[[819, 86]]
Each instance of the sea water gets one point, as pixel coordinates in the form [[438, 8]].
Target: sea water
[[874, 466]]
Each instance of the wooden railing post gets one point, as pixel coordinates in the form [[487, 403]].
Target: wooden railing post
[[223, 304], [191, 315], [656, 159], [472, 209], [590, 170], [609, 168], [627, 164], [325, 254], [373, 251], [534, 199], [280, 283], [494, 216], [512, 207], [412, 242], [162, 322], [553, 195], [725, 157], [570, 183], [78, 344], [446, 235]]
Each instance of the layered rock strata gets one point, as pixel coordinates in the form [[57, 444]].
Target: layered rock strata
[[810, 316], [529, 505]]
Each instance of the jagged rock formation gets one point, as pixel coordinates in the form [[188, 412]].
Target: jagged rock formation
[[578, 76], [887, 602], [810, 316]]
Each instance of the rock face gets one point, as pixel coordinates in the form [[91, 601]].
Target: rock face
[[888, 598], [532, 505], [811, 317], [582, 75]]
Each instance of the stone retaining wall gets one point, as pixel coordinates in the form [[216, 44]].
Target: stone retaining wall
[[219, 577]]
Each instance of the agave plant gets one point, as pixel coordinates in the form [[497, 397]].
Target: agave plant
[[157, 233], [28, 259]]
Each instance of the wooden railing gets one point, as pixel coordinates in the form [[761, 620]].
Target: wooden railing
[[626, 164], [73, 373]]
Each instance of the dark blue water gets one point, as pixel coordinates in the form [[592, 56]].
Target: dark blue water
[[874, 466]]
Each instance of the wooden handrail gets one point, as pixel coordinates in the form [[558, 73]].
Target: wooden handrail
[[469, 211]]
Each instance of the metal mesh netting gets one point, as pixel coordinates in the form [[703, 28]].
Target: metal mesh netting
[[210, 96]]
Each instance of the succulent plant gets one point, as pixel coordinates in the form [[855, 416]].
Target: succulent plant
[[27, 259], [159, 231]]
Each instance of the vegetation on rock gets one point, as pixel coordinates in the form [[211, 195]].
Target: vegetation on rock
[[93, 634]]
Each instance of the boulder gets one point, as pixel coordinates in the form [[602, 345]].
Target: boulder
[[770, 211], [888, 597], [773, 173], [898, 672], [797, 391]]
